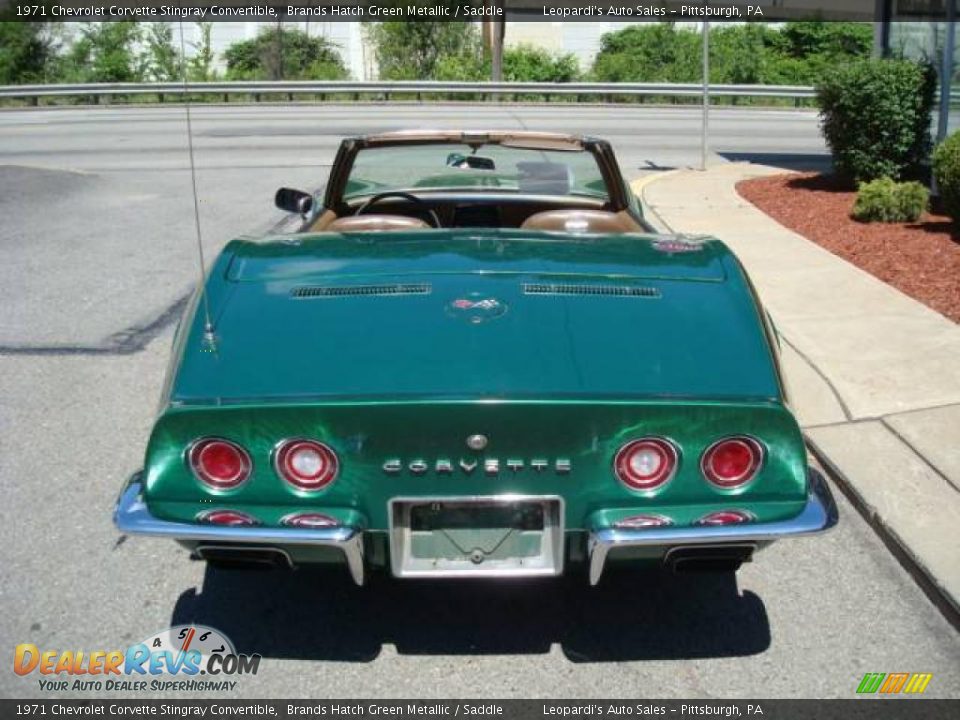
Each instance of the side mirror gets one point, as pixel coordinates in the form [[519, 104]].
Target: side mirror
[[295, 201]]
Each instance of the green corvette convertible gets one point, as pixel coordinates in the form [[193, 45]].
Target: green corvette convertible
[[475, 359]]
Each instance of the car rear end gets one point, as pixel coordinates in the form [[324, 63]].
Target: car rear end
[[490, 405], [463, 488]]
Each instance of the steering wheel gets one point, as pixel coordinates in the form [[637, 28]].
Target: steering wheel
[[424, 208]]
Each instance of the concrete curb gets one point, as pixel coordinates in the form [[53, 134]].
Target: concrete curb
[[639, 187], [926, 580]]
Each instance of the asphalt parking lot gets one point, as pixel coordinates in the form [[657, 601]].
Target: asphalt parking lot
[[97, 244]]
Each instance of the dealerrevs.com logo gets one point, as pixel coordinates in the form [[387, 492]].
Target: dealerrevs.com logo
[[183, 658]]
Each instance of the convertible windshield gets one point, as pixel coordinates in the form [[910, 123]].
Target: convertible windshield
[[453, 166]]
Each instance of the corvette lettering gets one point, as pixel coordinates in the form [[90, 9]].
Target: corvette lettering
[[490, 466]]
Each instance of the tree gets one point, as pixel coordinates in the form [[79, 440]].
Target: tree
[[421, 50], [105, 52], [740, 54], [26, 52], [523, 63], [162, 58], [803, 39], [304, 57], [796, 53], [200, 65], [649, 52]]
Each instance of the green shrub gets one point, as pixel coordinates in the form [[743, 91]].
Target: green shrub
[[885, 200], [526, 63], [946, 171], [287, 53], [913, 199], [875, 116]]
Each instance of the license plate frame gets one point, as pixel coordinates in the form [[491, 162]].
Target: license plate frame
[[490, 557]]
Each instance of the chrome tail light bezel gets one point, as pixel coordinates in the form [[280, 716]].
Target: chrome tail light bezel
[[192, 458], [621, 467], [206, 518], [757, 450], [284, 447], [745, 517]]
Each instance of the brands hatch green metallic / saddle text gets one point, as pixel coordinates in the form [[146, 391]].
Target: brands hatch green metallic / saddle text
[[481, 382]]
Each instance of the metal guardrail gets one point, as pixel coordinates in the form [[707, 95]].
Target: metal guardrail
[[388, 88]]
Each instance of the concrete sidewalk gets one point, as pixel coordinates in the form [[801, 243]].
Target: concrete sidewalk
[[874, 375]]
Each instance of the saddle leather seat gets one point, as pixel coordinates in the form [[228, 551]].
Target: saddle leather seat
[[577, 221], [375, 223]]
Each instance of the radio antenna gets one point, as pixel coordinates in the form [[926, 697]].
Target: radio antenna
[[208, 334]]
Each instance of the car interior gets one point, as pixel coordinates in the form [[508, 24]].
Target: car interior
[[484, 210], [528, 191]]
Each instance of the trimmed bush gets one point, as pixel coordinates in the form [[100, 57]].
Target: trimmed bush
[[875, 116], [946, 171], [884, 200]]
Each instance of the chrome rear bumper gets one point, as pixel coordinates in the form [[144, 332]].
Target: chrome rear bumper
[[819, 514], [132, 517]]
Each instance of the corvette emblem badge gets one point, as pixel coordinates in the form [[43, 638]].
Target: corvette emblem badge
[[476, 308]]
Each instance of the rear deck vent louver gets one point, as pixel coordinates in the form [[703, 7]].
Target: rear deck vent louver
[[361, 291], [605, 290]]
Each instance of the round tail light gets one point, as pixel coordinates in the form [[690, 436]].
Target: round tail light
[[642, 522], [732, 462], [219, 464], [309, 521], [725, 517], [645, 464], [306, 464], [233, 518]]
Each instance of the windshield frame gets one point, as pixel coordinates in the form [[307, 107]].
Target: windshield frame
[[602, 153]]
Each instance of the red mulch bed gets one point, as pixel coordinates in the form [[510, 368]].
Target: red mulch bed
[[921, 259]]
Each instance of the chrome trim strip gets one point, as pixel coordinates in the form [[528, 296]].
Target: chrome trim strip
[[819, 514], [133, 517]]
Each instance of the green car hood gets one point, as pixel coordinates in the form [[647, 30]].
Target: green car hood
[[476, 314]]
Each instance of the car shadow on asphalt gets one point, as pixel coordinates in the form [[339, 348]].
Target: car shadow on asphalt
[[319, 614]]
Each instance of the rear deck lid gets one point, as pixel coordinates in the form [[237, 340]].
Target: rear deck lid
[[490, 318]]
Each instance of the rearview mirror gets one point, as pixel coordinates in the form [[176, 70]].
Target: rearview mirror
[[472, 162], [295, 201]]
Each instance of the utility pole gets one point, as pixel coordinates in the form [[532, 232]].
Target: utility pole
[[279, 50], [705, 125], [493, 32]]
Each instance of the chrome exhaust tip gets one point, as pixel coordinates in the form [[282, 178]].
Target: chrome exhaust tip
[[708, 558], [234, 556]]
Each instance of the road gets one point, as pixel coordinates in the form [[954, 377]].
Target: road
[[96, 191], [96, 239]]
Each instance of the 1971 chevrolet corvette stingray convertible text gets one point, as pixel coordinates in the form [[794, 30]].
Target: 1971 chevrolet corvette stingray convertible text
[[475, 360]]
